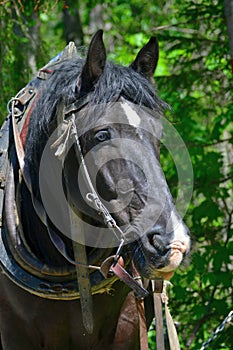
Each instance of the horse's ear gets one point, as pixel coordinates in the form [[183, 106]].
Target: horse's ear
[[95, 62], [147, 59]]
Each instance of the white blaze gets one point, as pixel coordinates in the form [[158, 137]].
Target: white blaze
[[179, 231], [132, 116]]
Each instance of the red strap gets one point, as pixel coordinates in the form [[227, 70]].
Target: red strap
[[24, 131], [129, 280]]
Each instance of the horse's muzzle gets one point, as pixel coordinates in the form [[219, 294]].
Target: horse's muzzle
[[158, 255]]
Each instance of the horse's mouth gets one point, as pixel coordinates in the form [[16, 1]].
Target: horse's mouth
[[167, 272], [156, 263]]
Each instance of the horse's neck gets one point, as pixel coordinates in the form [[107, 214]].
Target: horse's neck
[[36, 233]]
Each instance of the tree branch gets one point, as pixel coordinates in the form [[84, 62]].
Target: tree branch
[[196, 329]]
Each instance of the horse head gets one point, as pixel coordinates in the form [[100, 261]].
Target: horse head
[[118, 125]]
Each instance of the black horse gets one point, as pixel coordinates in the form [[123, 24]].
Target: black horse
[[84, 198]]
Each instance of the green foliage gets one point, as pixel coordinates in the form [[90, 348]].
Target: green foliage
[[198, 88], [19, 47], [194, 77]]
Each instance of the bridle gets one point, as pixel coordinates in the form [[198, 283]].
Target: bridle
[[91, 195], [109, 266]]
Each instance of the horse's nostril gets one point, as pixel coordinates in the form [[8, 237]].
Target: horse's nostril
[[155, 241]]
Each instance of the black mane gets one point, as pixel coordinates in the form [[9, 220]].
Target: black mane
[[115, 81]]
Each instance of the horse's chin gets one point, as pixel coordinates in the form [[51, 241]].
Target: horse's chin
[[151, 273], [149, 270]]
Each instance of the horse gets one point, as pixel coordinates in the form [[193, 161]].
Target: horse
[[87, 215]]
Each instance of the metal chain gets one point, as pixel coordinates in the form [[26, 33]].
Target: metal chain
[[218, 330], [92, 196]]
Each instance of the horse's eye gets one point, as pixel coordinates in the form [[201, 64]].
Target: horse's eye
[[102, 135]]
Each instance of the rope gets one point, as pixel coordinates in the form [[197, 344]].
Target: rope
[[218, 330]]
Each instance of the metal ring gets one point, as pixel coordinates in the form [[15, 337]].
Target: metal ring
[[90, 197], [10, 106], [137, 278]]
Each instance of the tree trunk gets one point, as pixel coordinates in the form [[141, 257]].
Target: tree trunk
[[228, 6], [72, 23], [96, 21], [28, 43]]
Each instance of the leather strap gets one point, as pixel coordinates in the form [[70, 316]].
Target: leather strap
[[84, 286], [129, 280], [157, 286], [141, 313], [159, 292], [18, 143], [82, 272], [171, 329]]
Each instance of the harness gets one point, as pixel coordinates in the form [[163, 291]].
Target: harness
[[34, 277]]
